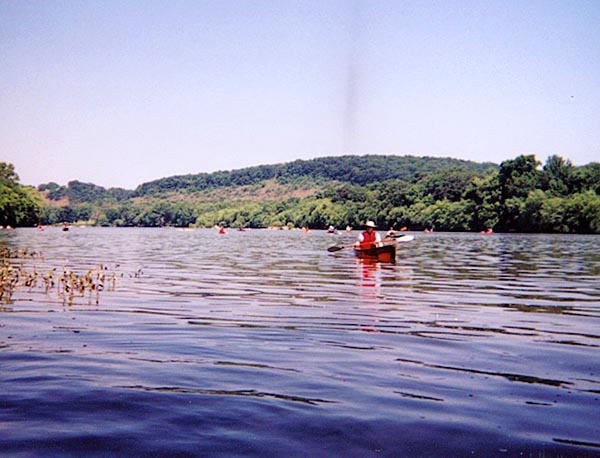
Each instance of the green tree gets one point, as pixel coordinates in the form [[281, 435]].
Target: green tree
[[484, 195], [557, 177], [582, 213], [587, 177], [19, 205], [447, 185], [448, 216], [517, 177]]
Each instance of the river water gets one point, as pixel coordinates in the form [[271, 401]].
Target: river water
[[262, 343]]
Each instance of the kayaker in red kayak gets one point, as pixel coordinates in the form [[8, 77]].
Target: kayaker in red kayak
[[369, 238]]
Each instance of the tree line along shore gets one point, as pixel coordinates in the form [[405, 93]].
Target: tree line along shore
[[420, 193]]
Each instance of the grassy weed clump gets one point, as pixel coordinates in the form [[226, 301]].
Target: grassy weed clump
[[18, 271]]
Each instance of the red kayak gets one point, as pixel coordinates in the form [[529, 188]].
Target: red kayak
[[386, 253]]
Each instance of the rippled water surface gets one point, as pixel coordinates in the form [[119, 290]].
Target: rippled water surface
[[262, 343]]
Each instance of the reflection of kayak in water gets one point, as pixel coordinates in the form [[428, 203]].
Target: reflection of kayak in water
[[386, 253]]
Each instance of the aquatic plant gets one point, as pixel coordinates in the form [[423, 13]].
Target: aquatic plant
[[66, 283]]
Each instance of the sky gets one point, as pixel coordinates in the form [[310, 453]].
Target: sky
[[122, 92]]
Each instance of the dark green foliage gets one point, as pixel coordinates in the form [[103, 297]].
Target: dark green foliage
[[558, 198], [577, 213], [586, 178], [517, 178], [19, 205], [483, 194], [345, 192], [558, 177], [419, 193], [447, 185], [78, 192], [203, 181], [355, 170]]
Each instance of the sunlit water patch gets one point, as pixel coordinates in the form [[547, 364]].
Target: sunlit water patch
[[262, 343]]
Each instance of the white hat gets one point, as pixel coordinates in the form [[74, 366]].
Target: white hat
[[370, 224]]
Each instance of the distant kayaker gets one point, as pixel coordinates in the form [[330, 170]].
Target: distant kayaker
[[369, 238]]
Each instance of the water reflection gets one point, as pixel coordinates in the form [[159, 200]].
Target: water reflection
[[470, 336], [369, 274]]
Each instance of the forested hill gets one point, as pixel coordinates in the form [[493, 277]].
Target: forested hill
[[355, 170], [518, 195]]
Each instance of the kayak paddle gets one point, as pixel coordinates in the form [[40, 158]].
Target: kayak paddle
[[399, 239]]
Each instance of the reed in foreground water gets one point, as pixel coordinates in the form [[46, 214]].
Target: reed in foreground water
[[18, 270]]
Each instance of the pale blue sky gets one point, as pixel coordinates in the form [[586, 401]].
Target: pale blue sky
[[119, 92]]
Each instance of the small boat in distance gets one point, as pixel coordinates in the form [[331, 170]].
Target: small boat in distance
[[385, 253]]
